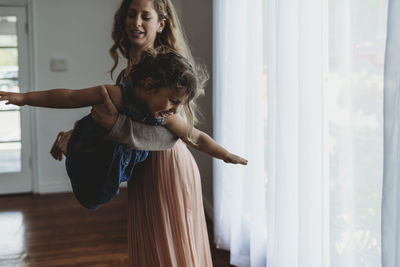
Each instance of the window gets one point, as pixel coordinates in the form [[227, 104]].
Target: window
[[354, 91]]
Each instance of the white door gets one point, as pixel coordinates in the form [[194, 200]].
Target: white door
[[15, 129]]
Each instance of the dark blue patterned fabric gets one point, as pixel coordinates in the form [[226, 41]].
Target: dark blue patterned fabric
[[97, 167]]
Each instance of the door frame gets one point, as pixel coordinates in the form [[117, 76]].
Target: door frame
[[28, 128]]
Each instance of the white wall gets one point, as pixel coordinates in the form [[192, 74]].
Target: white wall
[[80, 32]]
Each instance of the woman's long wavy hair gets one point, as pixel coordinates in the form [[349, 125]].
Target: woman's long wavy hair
[[172, 37]]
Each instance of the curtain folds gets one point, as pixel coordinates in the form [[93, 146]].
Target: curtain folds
[[391, 180], [298, 90], [239, 114], [296, 204], [287, 155]]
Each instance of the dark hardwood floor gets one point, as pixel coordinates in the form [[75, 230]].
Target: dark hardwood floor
[[54, 230]]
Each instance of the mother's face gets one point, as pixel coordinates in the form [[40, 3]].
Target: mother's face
[[142, 24]]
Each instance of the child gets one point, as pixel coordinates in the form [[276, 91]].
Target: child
[[156, 89]]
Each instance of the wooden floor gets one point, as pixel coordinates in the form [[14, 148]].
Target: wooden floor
[[53, 230]]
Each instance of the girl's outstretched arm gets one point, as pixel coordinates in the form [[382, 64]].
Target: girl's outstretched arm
[[64, 98], [200, 140]]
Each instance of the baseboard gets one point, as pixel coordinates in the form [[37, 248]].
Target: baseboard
[[10, 190], [54, 187], [208, 208]]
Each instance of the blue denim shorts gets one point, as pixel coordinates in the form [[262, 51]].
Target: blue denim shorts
[[97, 167]]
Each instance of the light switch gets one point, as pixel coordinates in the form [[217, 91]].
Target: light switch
[[58, 64]]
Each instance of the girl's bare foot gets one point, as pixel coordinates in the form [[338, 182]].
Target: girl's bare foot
[[59, 147]]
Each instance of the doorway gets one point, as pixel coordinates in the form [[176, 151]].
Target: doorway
[[15, 129]]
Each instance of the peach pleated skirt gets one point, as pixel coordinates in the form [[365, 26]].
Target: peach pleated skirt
[[166, 222]]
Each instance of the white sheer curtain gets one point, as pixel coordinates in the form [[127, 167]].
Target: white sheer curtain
[[391, 182], [298, 90], [296, 202], [239, 125], [354, 86]]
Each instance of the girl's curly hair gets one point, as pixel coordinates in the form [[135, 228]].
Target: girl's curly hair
[[168, 69]]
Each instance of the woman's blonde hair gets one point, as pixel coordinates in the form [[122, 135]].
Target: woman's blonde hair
[[172, 37]]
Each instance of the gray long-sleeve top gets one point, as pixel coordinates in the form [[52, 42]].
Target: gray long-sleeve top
[[141, 136]]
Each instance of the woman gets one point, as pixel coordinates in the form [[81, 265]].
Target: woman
[[166, 222]]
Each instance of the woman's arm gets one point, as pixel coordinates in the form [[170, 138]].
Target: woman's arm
[[200, 140], [64, 98], [123, 130]]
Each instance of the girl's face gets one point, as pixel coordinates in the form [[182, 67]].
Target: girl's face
[[163, 102], [142, 24]]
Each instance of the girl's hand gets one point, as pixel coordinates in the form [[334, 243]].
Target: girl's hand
[[235, 159], [13, 98], [105, 114]]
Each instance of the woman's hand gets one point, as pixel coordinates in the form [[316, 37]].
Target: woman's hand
[[13, 98], [105, 114]]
